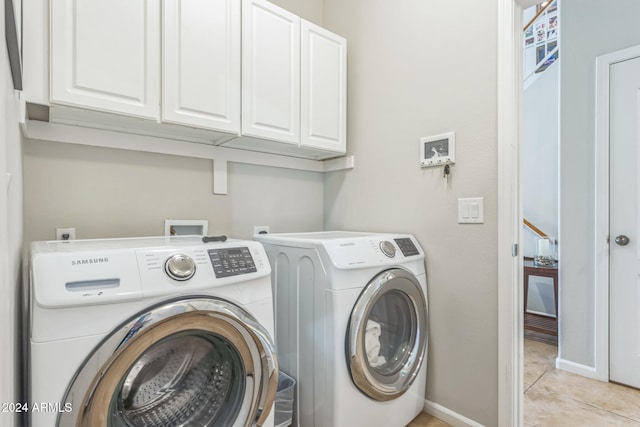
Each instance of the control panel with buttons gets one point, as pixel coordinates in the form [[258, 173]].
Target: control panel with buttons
[[228, 262], [407, 247]]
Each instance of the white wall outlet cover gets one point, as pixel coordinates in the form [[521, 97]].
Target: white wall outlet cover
[[65, 233], [471, 210]]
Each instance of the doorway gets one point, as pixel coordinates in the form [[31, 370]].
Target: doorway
[[539, 174], [584, 349]]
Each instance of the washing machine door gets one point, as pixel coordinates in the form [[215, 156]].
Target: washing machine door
[[387, 335], [198, 361]]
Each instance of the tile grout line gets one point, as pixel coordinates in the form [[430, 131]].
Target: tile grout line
[[594, 406], [591, 405], [538, 379]]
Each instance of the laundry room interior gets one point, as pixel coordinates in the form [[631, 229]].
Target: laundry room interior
[[416, 74], [407, 78]]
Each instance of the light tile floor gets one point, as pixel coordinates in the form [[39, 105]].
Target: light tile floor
[[426, 420], [555, 398]]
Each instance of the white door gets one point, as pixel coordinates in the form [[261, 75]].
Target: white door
[[105, 55], [323, 89], [624, 281], [201, 57], [270, 72]]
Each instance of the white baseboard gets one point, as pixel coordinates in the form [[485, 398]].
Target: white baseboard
[[577, 368], [448, 416]]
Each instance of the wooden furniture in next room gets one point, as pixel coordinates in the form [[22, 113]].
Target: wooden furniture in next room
[[536, 322]]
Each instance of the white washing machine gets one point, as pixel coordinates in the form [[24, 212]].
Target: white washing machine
[[351, 325], [151, 332]]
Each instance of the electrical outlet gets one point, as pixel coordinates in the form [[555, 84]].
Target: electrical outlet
[[260, 229], [68, 233]]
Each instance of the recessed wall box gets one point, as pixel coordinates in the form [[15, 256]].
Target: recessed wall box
[[185, 227]]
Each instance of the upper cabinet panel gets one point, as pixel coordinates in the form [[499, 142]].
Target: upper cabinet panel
[[270, 72], [201, 63], [323, 89], [239, 73], [105, 55]]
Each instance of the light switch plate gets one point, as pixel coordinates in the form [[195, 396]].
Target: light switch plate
[[471, 210]]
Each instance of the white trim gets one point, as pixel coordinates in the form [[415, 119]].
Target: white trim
[[510, 317], [448, 416], [577, 368], [601, 267], [124, 141], [69, 134], [338, 164]]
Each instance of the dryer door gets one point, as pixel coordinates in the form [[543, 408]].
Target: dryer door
[[387, 335], [189, 362]]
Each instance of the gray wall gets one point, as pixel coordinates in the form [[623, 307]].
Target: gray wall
[[10, 231], [115, 193], [311, 10], [416, 69], [590, 28], [539, 156]]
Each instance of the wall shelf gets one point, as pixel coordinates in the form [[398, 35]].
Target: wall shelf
[[220, 156]]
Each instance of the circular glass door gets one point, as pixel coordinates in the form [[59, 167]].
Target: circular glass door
[[190, 378], [387, 335], [192, 362]]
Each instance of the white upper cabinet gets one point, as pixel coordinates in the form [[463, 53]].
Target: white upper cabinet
[[201, 63], [105, 55], [323, 89], [270, 72], [239, 73]]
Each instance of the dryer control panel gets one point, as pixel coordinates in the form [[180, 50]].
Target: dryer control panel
[[231, 261], [407, 247]]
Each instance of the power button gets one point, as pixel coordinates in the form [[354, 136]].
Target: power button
[[180, 267], [387, 248]]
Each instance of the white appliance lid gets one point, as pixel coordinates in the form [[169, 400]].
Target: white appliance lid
[[348, 249], [84, 245], [312, 239]]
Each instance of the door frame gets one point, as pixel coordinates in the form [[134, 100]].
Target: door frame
[[510, 268], [510, 319], [603, 64]]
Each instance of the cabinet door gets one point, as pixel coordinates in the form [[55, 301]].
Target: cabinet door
[[105, 55], [270, 72], [201, 60], [323, 89]]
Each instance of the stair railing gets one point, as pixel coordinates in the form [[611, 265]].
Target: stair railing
[[541, 40]]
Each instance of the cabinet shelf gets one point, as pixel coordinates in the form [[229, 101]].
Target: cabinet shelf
[[220, 156]]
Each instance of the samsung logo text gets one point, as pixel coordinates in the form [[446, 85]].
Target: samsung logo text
[[89, 261]]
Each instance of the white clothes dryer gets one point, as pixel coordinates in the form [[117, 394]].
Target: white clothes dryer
[[150, 332], [351, 325]]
